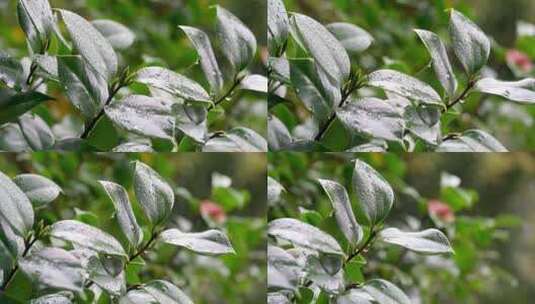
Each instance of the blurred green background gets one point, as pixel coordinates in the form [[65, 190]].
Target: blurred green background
[[229, 279], [493, 231], [396, 46]]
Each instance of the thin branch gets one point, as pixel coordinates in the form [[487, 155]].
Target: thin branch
[[142, 250], [327, 125], [27, 246], [362, 248], [93, 122], [462, 96], [237, 82]]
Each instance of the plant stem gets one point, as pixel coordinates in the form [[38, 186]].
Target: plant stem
[[237, 82], [27, 246], [327, 125], [142, 250], [368, 241], [92, 124], [462, 96]]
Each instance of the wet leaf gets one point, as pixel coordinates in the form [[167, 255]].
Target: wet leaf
[[119, 36], [472, 141], [209, 64], [84, 87], [278, 135], [257, 83], [153, 193], [326, 50], [123, 212], [237, 42], [355, 296], [304, 235], [385, 292], [112, 284], [210, 242], [143, 115], [470, 44], [172, 83], [404, 85], [278, 25], [441, 62], [14, 104], [54, 268], [429, 241], [165, 292], [274, 189], [237, 140], [36, 132], [372, 117], [37, 21], [57, 298], [86, 236], [373, 191], [15, 207], [39, 189], [353, 38], [91, 45], [522, 91], [343, 211], [11, 71]]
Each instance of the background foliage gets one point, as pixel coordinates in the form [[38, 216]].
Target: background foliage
[[229, 279], [487, 219]]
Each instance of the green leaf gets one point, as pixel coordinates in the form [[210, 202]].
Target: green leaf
[[237, 42], [304, 235], [326, 50], [86, 236], [119, 36], [470, 44], [277, 298], [54, 268], [15, 207], [154, 195], [343, 211], [210, 242], [353, 38], [254, 82], [172, 83], [236, 140], [113, 284], [441, 62], [373, 117], [136, 296], [522, 91], [124, 213], [56, 298], [274, 190], [278, 134], [39, 189], [355, 296], [12, 139], [332, 283], [404, 85], [14, 104], [209, 64], [84, 87], [418, 123], [37, 21], [143, 115], [472, 141], [373, 191], [278, 25], [11, 71], [283, 268], [91, 45], [165, 292], [429, 241], [318, 95], [36, 132], [385, 292]]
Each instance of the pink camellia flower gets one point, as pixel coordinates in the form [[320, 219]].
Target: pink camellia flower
[[519, 60], [440, 211], [212, 211]]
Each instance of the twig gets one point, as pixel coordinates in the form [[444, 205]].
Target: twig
[[93, 122], [237, 82], [27, 246], [462, 96], [153, 238], [371, 237]]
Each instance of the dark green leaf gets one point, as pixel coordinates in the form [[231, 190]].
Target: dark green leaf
[[13, 104]]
